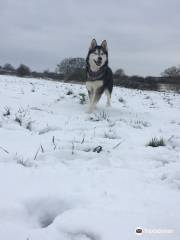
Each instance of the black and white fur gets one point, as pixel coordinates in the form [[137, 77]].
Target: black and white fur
[[99, 77]]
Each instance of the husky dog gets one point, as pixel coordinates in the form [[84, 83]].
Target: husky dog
[[99, 77]]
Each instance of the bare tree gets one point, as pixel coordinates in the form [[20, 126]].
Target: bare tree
[[23, 70], [8, 67], [120, 72], [171, 72], [69, 65]]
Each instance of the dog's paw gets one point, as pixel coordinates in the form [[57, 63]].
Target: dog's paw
[[108, 105], [89, 111]]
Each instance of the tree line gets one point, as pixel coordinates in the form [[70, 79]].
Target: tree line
[[74, 69], [25, 71]]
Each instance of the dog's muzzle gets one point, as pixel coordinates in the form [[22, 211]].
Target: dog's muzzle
[[99, 61]]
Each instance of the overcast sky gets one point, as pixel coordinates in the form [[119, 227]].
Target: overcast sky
[[143, 35]]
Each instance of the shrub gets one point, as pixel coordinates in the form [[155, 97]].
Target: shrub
[[101, 116], [82, 98], [155, 142], [7, 112], [121, 100], [69, 92], [23, 70]]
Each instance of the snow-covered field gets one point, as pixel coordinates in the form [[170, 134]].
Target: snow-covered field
[[67, 175]]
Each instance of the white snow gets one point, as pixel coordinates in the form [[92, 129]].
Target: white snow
[[68, 175]]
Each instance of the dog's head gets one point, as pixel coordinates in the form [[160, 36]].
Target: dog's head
[[97, 55]]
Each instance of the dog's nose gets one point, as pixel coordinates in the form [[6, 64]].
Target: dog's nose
[[99, 58]]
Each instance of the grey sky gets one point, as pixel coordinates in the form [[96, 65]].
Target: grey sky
[[143, 35]]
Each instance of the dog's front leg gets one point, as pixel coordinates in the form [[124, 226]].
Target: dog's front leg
[[108, 104], [90, 96], [91, 106], [94, 100]]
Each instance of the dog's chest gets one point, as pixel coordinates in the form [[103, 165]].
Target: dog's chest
[[94, 85]]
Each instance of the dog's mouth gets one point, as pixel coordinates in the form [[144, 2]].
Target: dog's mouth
[[98, 62]]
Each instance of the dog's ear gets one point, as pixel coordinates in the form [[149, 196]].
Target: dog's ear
[[104, 45], [93, 44]]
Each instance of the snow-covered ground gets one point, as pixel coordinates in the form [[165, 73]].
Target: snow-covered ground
[[68, 175]]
